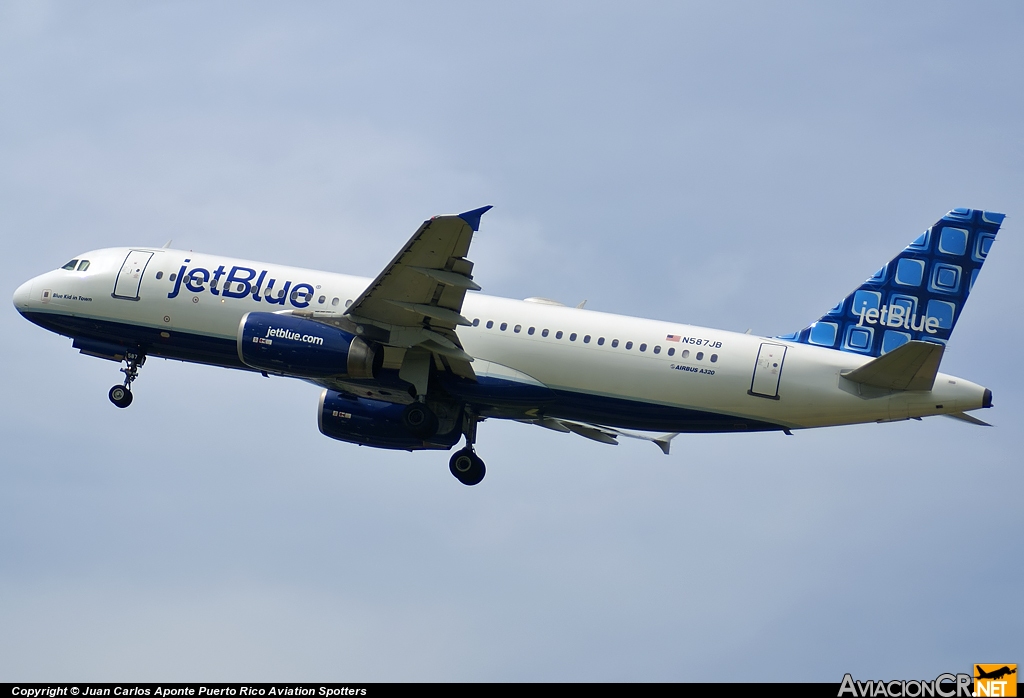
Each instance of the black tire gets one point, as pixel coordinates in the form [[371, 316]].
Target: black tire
[[467, 467], [419, 420], [120, 396]]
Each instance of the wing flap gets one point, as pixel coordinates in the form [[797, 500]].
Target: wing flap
[[449, 278], [434, 312]]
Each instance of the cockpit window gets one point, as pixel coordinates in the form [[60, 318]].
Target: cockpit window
[[70, 266], [83, 265]]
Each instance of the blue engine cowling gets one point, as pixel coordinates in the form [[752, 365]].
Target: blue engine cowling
[[301, 347], [374, 423]]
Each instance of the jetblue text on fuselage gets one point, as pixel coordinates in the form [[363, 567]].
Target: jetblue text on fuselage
[[240, 282], [896, 316]]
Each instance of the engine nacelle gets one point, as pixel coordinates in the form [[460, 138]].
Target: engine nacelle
[[300, 347], [374, 423]]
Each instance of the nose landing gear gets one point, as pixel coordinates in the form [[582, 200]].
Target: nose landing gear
[[121, 395]]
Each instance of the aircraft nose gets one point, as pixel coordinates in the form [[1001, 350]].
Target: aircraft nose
[[22, 296]]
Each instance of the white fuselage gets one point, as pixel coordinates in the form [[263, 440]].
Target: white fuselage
[[567, 349]]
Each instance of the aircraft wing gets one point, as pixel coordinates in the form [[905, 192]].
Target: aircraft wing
[[417, 299], [599, 433]]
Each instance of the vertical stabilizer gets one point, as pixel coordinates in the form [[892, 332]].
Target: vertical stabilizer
[[919, 295]]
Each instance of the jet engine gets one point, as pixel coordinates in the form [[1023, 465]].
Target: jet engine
[[375, 423], [301, 347]]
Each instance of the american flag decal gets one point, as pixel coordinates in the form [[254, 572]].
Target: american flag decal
[[672, 338]]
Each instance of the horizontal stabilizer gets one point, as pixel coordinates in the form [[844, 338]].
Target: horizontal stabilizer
[[911, 366], [964, 417]]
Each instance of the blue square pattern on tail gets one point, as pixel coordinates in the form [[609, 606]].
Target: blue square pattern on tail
[[918, 295]]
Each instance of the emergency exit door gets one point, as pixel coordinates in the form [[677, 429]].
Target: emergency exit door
[[130, 277], [767, 371]]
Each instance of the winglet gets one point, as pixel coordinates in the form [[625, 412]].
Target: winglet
[[664, 442], [473, 217]]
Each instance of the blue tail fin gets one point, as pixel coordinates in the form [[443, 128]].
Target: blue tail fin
[[918, 295]]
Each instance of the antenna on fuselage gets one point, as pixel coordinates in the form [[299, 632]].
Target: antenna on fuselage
[[167, 244]]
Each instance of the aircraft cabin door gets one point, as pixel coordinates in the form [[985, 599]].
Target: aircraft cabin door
[[130, 277], [767, 371]]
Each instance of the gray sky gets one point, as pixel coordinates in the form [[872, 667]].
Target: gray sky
[[740, 166]]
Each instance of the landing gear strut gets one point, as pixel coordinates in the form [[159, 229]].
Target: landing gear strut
[[121, 395], [467, 467]]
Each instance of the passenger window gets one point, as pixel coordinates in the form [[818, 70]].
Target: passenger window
[[544, 333], [348, 302], [319, 300], [714, 358], [213, 284], [70, 266], [173, 276], [629, 345], [530, 331], [685, 354], [159, 275], [572, 337], [83, 265], [600, 341], [476, 322], [657, 349], [294, 296], [490, 324], [517, 328], [504, 326], [558, 335], [335, 301], [643, 347], [671, 351], [700, 355], [586, 339], [615, 343]]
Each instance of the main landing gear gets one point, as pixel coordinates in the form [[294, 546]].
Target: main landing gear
[[467, 467], [121, 395], [420, 420]]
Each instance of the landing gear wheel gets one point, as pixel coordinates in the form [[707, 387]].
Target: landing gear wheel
[[120, 396], [467, 467], [419, 420]]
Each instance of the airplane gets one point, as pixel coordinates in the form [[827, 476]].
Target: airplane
[[995, 674], [416, 358]]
